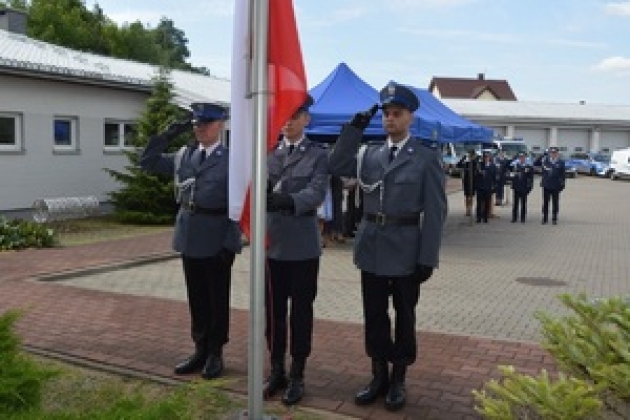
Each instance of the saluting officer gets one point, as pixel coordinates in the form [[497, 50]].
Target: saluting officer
[[298, 178], [553, 182], [398, 240], [204, 235], [485, 184], [522, 184]]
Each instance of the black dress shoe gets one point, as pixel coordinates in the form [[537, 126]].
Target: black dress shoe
[[396, 396], [191, 365], [554, 221], [294, 392], [274, 383], [377, 386], [213, 367]]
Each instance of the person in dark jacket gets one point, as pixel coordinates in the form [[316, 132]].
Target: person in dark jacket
[[469, 166], [485, 184], [522, 184], [553, 182], [204, 235]]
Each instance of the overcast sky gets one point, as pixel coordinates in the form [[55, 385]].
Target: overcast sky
[[548, 50]]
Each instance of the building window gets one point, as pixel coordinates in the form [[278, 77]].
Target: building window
[[578, 149], [118, 135], [65, 133], [10, 131]]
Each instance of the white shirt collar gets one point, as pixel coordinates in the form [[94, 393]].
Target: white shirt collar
[[287, 143], [209, 149], [401, 144]]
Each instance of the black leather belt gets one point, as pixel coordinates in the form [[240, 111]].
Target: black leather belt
[[205, 210], [410, 219]]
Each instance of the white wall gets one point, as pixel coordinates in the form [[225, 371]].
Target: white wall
[[38, 171]]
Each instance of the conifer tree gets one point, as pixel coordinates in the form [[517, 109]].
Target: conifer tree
[[148, 198]]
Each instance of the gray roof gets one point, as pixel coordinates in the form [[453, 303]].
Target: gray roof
[[537, 111], [23, 54]]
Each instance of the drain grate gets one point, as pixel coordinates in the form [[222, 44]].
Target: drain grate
[[541, 281]]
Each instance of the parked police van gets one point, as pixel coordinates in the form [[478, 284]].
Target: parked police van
[[511, 146], [620, 164]]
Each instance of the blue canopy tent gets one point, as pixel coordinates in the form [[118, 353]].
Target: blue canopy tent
[[453, 128], [343, 93]]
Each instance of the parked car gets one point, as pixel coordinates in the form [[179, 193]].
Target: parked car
[[600, 165], [590, 163], [620, 164]]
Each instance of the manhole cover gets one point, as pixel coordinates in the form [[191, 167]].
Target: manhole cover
[[541, 281]]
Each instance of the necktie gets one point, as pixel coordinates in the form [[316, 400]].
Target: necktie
[[291, 148], [203, 156], [392, 153]]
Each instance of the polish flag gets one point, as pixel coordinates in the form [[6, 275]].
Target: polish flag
[[287, 91]]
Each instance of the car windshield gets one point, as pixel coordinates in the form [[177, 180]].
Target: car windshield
[[601, 158], [512, 150], [462, 148]]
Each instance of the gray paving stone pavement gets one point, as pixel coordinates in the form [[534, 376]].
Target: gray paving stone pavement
[[483, 286]]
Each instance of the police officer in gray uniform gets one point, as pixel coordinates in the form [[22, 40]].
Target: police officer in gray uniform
[[298, 178], [204, 235], [398, 241]]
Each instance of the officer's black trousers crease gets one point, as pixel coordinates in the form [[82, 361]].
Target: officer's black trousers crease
[[519, 200], [208, 288], [294, 282], [379, 345], [483, 204], [554, 195]]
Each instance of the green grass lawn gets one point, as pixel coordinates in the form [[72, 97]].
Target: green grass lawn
[[97, 229]]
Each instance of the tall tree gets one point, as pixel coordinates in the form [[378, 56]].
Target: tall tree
[[143, 197]]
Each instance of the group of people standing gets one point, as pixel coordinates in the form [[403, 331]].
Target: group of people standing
[[488, 176], [396, 247]]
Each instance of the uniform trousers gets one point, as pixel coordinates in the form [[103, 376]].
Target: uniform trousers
[[484, 199], [554, 195], [208, 283], [399, 348], [294, 281], [519, 201]]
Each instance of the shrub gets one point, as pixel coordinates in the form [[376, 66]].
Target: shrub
[[20, 234], [522, 397], [591, 347], [21, 379]]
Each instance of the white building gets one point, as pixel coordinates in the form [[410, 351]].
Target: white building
[[577, 127], [64, 115]]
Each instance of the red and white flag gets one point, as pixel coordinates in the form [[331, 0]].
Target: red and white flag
[[287, 87]]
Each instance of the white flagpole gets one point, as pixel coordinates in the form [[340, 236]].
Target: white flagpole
[[259, 30]]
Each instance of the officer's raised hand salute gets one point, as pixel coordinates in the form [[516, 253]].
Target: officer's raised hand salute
[[204, 235], [362, 119], [397, 243], [178, 127]]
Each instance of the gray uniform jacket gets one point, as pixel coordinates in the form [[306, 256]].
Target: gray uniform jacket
[[412, 183], [196, 234], [303, 175]]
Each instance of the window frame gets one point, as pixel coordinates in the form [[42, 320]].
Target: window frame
[[74, 134], [121, 143], [18, 137]]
